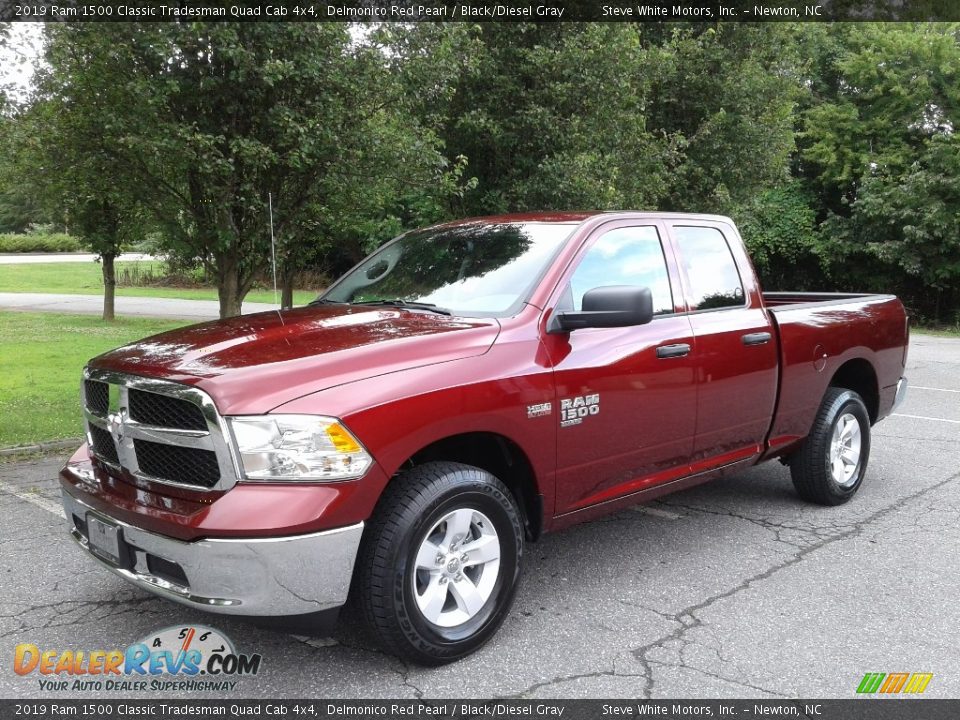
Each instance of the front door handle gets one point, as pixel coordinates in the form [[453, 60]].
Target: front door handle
[[760, 338], [671, 351]]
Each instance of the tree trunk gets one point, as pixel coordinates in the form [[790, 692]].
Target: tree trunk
[[286, 292], [228, 285], [109, 285]]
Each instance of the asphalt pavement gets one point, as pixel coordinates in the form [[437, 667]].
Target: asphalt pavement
[[172, 308], [732, 589]]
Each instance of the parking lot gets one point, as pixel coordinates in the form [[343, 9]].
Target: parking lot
[[732, 589]]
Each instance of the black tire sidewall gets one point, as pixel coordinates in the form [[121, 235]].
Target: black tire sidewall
[[846, 402], [478, 490]]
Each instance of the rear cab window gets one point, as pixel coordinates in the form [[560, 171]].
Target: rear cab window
[[712, 278]]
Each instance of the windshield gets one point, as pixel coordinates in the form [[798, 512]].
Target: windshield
[[472, 270]]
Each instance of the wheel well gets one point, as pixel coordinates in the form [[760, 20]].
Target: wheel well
[[858, 375], [499, 456]]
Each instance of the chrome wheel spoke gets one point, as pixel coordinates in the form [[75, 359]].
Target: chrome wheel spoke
[[845, 449], [458, 526], [427, 556], [456, 567], [433, 599], [482, 550], [838, 469], [853, 436], [468, 597]]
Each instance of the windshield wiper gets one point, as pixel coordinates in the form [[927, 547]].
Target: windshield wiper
[[324, 301], [405, 304]]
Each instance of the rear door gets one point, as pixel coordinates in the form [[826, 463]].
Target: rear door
[[736, 352], [625, 407]]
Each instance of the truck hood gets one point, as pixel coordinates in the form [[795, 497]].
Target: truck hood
[[253, 363]]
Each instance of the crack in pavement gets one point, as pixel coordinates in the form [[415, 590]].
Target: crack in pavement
[[769, 524], [717, 676], [405, 677], [810, 532], [86, 607], [687, 618], [401, 668], [612, 672]]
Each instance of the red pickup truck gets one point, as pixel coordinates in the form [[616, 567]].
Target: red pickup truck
[[463, 390]]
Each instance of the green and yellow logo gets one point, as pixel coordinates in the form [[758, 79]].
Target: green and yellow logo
[[894, 683]]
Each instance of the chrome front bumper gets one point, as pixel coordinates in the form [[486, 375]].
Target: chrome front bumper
[[271, 577]]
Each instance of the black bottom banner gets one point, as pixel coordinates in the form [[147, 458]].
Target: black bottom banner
[[853, 709]]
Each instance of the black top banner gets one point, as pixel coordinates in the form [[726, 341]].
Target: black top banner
[[479, 10]]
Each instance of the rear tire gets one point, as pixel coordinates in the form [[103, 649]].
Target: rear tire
[[828, 468], [439, 563]]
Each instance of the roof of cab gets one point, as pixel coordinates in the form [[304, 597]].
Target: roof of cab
[[573, 217]]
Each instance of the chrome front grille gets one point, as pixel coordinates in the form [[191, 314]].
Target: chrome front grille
[[158, 431]]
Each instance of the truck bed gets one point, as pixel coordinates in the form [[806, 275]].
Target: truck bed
[[821, 334]]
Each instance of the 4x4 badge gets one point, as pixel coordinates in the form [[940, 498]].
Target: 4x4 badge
[[539, 410]]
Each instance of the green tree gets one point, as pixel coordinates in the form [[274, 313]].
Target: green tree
[[553, 116], [19, 209], [724, 95], [385, 171], [561, 116], [59, 154], [203, 122], [56, 160], [878, 145], [911, 219], [780, 230]]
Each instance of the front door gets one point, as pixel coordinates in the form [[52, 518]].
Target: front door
[[626, 397]]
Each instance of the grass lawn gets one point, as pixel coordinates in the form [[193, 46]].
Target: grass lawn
[[41, 357], [939, 331], [86, 279]]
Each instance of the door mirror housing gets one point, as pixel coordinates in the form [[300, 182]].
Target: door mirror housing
[[607, 307]]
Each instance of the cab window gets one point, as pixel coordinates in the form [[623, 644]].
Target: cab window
[[624, 256], [712, 277]]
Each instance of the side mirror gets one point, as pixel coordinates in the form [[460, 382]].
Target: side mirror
[[607, 307]]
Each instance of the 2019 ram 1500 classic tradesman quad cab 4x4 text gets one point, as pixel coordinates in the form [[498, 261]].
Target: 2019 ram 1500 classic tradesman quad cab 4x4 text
[[461, 391]]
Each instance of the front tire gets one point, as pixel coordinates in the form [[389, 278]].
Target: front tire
[[830, 465], [440, 561]]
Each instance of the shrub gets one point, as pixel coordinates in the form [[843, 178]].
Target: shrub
[[40, 242]]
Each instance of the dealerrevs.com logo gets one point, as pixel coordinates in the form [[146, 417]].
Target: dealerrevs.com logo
[[178, 658]]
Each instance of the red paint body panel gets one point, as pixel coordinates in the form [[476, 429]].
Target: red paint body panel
[[488, 393], [248, 510], [252, 363], [402, 380], [816, 338]]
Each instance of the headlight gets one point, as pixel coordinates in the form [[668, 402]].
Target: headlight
[[297, 447]]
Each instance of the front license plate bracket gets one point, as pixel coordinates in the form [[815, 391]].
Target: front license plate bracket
[[105, 539]]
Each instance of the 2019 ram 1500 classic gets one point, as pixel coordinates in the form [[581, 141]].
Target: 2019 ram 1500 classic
[[461, 391]]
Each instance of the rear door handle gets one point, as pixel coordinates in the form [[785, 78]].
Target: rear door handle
[[670, 351], [760, 338]]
